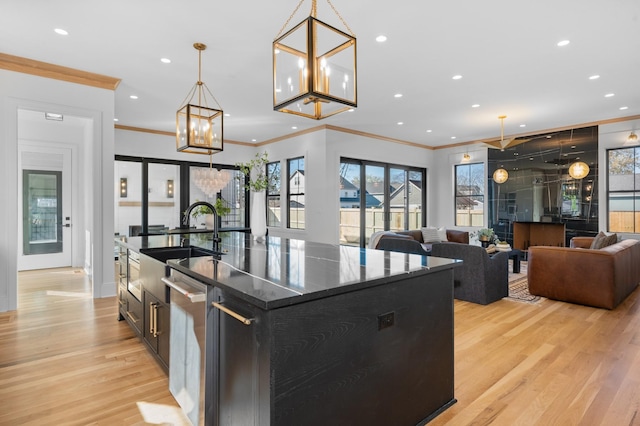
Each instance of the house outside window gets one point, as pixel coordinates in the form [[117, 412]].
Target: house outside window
[[623, 191], [295, 193], [469, 198], [273, 194]]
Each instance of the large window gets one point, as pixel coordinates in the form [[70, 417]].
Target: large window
[[469, 197], [624, 190], [273, 194], [158, 191], [295, 194], [379, 197]]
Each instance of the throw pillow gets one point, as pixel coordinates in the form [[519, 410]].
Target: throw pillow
[[430, 235], [603, 240], [442, 233]]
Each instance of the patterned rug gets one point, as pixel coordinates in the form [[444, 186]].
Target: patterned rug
[[519, 287]]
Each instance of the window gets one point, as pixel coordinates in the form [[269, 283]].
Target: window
[[295, 195], [469, 197], [624, 190], [273, 194], [379, 197], [158, 191]]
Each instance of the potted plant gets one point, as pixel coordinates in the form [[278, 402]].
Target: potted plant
[[485, 234], [257, 181], [220, 205], [256, 171]]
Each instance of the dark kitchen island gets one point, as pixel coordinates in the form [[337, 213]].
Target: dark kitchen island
[[305, 333]]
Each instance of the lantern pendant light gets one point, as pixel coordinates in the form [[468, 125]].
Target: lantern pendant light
[[199, 126], [314, 68]]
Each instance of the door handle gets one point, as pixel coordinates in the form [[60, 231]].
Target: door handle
[[67, 225]]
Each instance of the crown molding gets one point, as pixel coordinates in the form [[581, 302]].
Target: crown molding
[[171, 134], [57, 72]]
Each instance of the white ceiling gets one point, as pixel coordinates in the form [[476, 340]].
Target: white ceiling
[[504, 49]]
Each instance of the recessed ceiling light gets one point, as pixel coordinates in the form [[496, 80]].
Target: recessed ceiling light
[[397, 95], [609, 95], [475, 106], [400, 123], [351, 109], [457, 77], [294, 127], [381, 38], [133, 97], [226, 114], [453, 137], [594, 77], [523, 125], [429, 131], [253, 140], [622, 108], [61, 31], [165, 60], [563, 43], [115, 119]]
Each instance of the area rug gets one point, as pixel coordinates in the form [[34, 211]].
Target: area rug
[[519, 287]]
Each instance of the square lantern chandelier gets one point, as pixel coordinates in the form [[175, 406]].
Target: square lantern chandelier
[[199, 127], [314, 68]]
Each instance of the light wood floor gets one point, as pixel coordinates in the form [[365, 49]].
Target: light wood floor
[[64, 359]]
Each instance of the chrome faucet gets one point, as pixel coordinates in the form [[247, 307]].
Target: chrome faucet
[[216, 237]]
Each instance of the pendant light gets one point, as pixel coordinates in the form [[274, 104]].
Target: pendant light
[[501, 175], [199, 125], [314, 68], [211, 181], [578, 169]]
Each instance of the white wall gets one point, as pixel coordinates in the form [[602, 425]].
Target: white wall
[[23, 91], [441, 182]]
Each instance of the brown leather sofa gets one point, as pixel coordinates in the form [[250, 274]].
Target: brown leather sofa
[[601, 278]]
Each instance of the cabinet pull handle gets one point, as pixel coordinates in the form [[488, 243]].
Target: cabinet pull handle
[[155, 319], [130, 315], [245, 321], [151, 320], [193, 297]]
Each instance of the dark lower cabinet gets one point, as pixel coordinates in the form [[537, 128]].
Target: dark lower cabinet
[[157, 326], [382, 355]]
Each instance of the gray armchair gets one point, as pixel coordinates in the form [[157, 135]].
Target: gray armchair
[[482, 278]]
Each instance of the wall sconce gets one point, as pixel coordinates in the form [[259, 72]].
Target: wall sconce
[[632, 137], [123, 187], [466, 157], [170, 188]]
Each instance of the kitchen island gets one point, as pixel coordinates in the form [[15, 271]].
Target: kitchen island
[[305, 333]]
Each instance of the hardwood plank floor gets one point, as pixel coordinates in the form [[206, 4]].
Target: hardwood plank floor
[[64, 359]]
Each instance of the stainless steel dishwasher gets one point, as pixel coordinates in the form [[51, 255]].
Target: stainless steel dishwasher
[[187, 339]]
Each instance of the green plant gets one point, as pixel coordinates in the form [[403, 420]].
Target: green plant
[[256, 170], [220, 205]]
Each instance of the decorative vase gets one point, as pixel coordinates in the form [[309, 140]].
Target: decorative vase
[[258, 215]]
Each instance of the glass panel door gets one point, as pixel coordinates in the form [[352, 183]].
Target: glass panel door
[[376, 206], [42, 212]]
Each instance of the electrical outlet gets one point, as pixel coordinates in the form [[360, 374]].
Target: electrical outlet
[[386, 320]]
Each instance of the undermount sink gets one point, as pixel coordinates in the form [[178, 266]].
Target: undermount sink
[[165, 253]]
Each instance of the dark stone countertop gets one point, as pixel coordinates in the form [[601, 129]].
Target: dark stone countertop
[[280, 272]]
